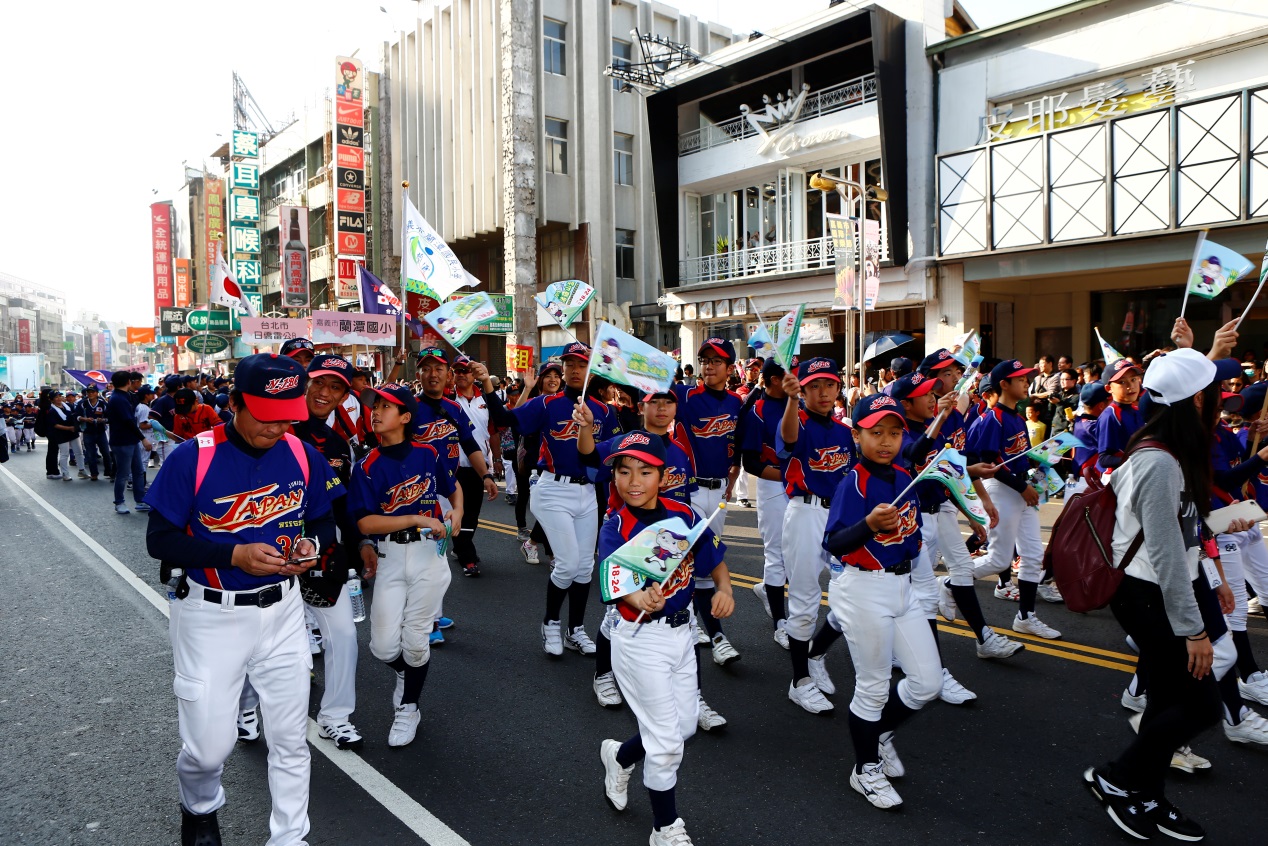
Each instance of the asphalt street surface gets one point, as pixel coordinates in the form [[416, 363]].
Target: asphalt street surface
[[508, 750]]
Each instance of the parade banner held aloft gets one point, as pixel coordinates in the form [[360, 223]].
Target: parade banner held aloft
[[1213, 269], [457, 320], [787, 336], [564, 301], [626, 360], [841, 228], [264, 331], [348, 328]]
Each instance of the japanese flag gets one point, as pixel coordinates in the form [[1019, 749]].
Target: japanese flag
[[225, 289]]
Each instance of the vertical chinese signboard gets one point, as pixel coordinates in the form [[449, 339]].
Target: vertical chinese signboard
[[349, 164], [24, 335], [181, 294], [214, 213], [292, 223], [244, 213], [161, 238]]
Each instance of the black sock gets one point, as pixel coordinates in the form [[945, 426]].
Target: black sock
[[1004, 578], [1047, 576], [1246, 664], [933, 627], [603, 654], [800, 652], [398, 664], [578, 593], [895, 713], [664, 808], [414, 678], [1026, 594], [631, 751], [703, 600], [970, 609], [865, 736], [1231, 697], [699, 664], [823, 640], [555, 596], [775, 596]]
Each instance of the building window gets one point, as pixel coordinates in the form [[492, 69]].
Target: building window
[[624, 254], [623, 158], [556, 146], [554, 48], [622, 56]]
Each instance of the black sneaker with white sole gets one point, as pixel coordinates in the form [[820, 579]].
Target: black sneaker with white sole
[[1171, 821], [1125, 807]]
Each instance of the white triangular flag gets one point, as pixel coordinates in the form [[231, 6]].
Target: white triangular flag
[[429, 266], [225, 289]]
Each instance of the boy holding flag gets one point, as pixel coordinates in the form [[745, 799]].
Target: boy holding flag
[[1120, 420]]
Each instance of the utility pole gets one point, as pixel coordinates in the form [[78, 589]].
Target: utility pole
[[518, 20]]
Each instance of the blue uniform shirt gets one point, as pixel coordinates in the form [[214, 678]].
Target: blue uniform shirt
[[866, 486], [708, 552], [998, 435], [398, 481], [445, 426], [1085, 429], [710, 417], [822, 454], [677, 482], [551, 417], [916, 454], [762, 428], [243, 499], [1114, 428]]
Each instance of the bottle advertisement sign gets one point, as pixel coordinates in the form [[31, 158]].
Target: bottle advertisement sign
[[293, 240]]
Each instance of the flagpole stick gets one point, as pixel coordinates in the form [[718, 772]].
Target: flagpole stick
[[1263, 275], [1254, 446], [669, 575], [1193, 268], [1027, 452]]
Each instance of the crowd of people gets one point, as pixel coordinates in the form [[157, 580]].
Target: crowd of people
[[279, 490]]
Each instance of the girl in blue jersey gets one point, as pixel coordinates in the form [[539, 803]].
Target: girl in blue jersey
[[654, 658], [873, 537]]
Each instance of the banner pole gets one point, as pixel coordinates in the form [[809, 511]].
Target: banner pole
[[1193, 268]]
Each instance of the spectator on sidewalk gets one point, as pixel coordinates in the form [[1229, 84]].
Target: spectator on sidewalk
[[127, 444]]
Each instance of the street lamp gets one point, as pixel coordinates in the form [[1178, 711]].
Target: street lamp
[[861, 193]]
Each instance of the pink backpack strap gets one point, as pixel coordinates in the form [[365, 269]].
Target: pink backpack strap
[[301, 456], [206, 452]]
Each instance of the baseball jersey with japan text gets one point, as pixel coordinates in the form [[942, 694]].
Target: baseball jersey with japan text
[[998, 435], [866, 486], [550, 415], [400, 480], [1114, 428], [822, 454], [710, 418], [444, 426]]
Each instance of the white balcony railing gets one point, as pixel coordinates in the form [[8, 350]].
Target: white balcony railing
[[813, 254], [847, 95]]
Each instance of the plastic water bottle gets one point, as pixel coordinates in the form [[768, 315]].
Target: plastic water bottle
[[173, 582], [356, 596], [532, 481], [1070, 484]]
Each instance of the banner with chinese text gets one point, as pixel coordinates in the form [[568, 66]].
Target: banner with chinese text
[[263, 331], [161, 238], [354, 327]]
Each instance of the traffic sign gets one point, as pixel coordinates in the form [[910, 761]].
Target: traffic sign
[[207, 344], [221, 321]]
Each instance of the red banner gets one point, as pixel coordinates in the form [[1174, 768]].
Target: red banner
[[161, 236], [349, 170], [24, 335], [181, 291]]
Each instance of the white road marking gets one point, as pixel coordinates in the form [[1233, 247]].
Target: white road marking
[[398, 803]]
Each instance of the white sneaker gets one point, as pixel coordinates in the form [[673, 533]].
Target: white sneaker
[[83, 474], [708, 718], [702, 639], [578, 641], [314, 641], [875, 787], [529, 550], [1134, 703], [891, 764], [1253, 606], [997, 645], [398, 693], [954, 693], [1049, 592], [781, 635], [946, 601], [552, 638], [807, 694], [248, 725], [819, 675], [760, 590], [1255, 688], [344, 734], [723, 652], [404, 725], [1033, 625], [1009, 592], [1252, 729], [606, 691], [1188, 761], [616, 779], [671, 835]]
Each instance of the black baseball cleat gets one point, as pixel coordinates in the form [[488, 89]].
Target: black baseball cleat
[[199, 829], [1127, 808], [471, 570]]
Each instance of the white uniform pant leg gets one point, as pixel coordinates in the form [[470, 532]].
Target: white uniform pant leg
[[741, 484], [409, 589], [657, 675], [1231, 558], [1003, 538], [63, 457], [923, 583], [883, 621], [508, 473], [705, 502], [951, 544], [339, 647], [804, 560], [1255, 561], [569, 516], [772, 502]]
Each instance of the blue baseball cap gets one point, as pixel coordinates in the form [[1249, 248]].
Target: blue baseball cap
[[1253, 398], [400, 395], [911, 386], [901, 366], [1009, 369], [937, 360], [547, 366], [871, 410], [1227, 368], [1093, 393], [817, 368], [273, 387], [172, 380], [772, 369], [330, 365], [576, 350], [432, 352], [669, 395], [644, 446], [719, 347]]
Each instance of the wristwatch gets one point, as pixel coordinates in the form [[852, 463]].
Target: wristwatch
[[488, 476]]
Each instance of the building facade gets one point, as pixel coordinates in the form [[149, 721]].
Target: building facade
[[1080, 153], [31, 323]]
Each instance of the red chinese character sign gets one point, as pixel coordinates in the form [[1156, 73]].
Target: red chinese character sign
[[519, 358], [161, 240]]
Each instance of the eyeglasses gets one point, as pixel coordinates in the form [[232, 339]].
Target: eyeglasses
[[461, 370]]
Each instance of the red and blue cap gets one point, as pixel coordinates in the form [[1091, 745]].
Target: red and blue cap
[[576, 350], [1118, 369], [547, 366], [331, 365], [719, 347], [817, 368], [1009, 369], [669, 395], [644, 446], [400, 395], [272, 386], [871, 410], [936, 360], [911, 386], [295, 345]]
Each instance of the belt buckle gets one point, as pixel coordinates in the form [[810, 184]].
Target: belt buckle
[[270, 596]]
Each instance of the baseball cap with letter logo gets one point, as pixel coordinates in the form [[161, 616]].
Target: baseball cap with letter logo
[[817, 368], [911, 386], [576, 350], [330, 365], [871, 410], [720, 347], [273, 387], [296, 345], [399, 395], [644, 446], [1009, 370], [937, 360]]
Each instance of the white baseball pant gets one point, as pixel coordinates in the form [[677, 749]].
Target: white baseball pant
[[741, 484], [942, 534], [339, 661], [569, 516], [883, 621], [214, 647], [705, 502], [1255, 560], [408, 591], [508, 473], [657, 675], [1018, 528], [772, 502], [804, 560], [1233, 549], [924, 584]]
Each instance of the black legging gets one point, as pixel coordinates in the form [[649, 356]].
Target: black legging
[[523, 489], [472, 501], [50, 458]]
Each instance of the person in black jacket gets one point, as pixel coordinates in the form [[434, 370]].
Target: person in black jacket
[[128, 443]]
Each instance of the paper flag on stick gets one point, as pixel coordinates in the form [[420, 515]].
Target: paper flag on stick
[[950, 469], [1050, 451], [626, 360], [1108, 353], [456, 320], [787, 336], [564, 301], [1216, 268]]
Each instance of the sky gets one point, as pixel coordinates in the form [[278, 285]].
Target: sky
[[114, 99]]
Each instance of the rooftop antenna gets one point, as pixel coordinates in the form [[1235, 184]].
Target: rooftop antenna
[[660, 58]]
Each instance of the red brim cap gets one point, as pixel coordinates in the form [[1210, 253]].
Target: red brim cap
[[1025, 371], [645, 457], [1120, 374], [827, 374], [270, 410], [923, 388], [1232, 402], [876, 416], [343, 377], [669, 395], [722, 354], [388, 397], [584, 357]]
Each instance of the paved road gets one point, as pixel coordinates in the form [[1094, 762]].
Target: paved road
[[507, 753]]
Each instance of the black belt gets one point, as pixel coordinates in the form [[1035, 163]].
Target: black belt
[[569, 480], [809, 499], [674, 620], [710, 484], [406, 536], [902, 568], [932, 509], [262, 598]]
